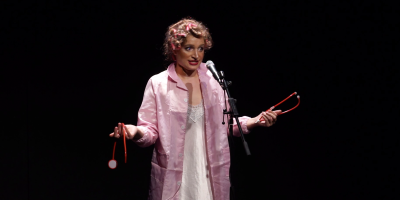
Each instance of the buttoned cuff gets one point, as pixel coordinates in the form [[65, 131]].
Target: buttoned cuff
[[244, 125]]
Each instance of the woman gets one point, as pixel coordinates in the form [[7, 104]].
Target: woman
[[181, 114]]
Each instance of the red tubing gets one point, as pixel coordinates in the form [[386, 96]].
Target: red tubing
[[124, 133], [115, 144], [294, 93]]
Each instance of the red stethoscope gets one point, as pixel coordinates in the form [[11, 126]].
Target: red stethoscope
[[112, 164], [294, 93]]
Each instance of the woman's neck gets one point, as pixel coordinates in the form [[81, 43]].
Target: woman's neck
[[184, 73]]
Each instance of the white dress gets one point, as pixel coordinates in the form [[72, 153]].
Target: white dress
[[195, 179]]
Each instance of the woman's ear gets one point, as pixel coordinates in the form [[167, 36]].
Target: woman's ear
[[174, 52], [173, 56]]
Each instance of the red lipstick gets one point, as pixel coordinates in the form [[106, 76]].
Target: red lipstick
[[193, 62]]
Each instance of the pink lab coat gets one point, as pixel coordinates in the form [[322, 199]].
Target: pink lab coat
[[162, 117]]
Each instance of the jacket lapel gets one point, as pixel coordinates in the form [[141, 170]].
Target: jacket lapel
[[172, 74]]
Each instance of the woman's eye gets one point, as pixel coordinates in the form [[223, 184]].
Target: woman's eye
[[201, 49], [188, 48]]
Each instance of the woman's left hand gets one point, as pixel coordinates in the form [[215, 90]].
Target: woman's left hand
[[270, 118]]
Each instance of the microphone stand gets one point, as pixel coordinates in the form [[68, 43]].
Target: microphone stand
[[233, 114]]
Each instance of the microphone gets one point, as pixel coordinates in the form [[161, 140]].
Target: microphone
[[210, 66]]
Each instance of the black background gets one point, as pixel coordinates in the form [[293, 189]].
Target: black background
[[73, 70]]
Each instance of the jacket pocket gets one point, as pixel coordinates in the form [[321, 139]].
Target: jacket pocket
[[161, 159], [156, 181]]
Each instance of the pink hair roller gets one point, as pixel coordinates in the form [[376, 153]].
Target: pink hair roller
[[174, 32], [189, 26]]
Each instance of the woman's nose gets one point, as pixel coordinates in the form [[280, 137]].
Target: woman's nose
[[195, 54]]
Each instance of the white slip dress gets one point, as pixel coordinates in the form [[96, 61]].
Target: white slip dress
[[195, 178]]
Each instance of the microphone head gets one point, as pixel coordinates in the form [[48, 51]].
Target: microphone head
[[209, 64]]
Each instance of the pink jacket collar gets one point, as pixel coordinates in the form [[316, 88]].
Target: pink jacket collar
[[202, 70]]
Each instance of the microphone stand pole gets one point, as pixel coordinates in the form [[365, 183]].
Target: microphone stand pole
[[233, 114]]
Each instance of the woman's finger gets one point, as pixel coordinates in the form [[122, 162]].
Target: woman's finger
[[277, 112], [272, 113], [116, 135], [271, 119], [264, 117], [128, 134], [120, 129], [267, 116], [273, 116], [266, 120]]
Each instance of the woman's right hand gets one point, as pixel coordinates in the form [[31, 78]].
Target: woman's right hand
[[130, 131]]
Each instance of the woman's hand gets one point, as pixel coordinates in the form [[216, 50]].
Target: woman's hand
[[130, 130], [270, 118]]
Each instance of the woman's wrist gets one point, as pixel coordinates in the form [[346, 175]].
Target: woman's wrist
[[251, 123], [139, 134]]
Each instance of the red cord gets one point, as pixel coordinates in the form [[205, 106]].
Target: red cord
[[294, 93], [298, 103], [115, 144], [124, 133]]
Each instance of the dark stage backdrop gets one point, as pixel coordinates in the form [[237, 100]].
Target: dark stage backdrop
[[75, 69]]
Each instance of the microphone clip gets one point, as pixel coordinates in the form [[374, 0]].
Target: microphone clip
[[221, 82]]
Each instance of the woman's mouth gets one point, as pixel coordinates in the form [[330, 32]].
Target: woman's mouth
[[193, 62]]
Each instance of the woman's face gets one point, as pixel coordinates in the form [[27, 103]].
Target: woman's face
[[191, 53]]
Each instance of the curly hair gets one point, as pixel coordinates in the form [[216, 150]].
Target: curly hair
[[176, 36]]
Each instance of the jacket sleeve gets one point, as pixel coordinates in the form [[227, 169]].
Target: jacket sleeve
[[147, 117]]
